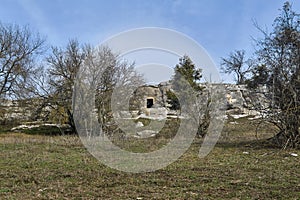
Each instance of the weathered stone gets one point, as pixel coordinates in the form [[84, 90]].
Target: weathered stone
[[139, 124], [151, 102], [146, 133]]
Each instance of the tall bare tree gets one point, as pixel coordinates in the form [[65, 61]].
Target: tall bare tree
[[104, 69], [279, 52], [109, 74], [19, 47], [63, 65]]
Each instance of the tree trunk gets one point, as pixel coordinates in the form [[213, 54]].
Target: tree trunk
[[71, 122]]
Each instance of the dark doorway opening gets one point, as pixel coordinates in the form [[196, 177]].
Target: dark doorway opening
[[149, 103]]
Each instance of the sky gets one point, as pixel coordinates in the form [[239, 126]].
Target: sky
[[219, 26]]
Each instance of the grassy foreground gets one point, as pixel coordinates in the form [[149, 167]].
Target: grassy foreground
[[59, 167]]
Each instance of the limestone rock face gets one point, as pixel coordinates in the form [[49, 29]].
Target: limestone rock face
[[22, 110], [239, 99], [151, 101], [155, 93], [11, 110]]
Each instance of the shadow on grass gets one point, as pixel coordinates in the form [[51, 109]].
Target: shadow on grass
[[249, 144]]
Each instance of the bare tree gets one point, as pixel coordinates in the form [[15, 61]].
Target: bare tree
[[279, 52], [63, 65], [237, 63], [103, 70], [109, 73], [19, 47]]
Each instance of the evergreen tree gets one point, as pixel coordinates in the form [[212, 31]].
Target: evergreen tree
[[186, 76]]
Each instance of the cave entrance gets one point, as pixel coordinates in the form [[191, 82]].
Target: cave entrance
[[150, 102]]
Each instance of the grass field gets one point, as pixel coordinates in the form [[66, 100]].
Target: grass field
[[241, 166]]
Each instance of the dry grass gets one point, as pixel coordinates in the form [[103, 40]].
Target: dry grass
[[59, 167]]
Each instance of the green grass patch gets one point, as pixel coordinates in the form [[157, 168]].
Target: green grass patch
[[59, 167]]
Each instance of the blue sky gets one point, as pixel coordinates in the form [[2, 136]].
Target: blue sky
[[220, 26]]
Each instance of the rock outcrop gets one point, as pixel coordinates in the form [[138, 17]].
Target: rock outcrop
[[239, 99], [151, 101]]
